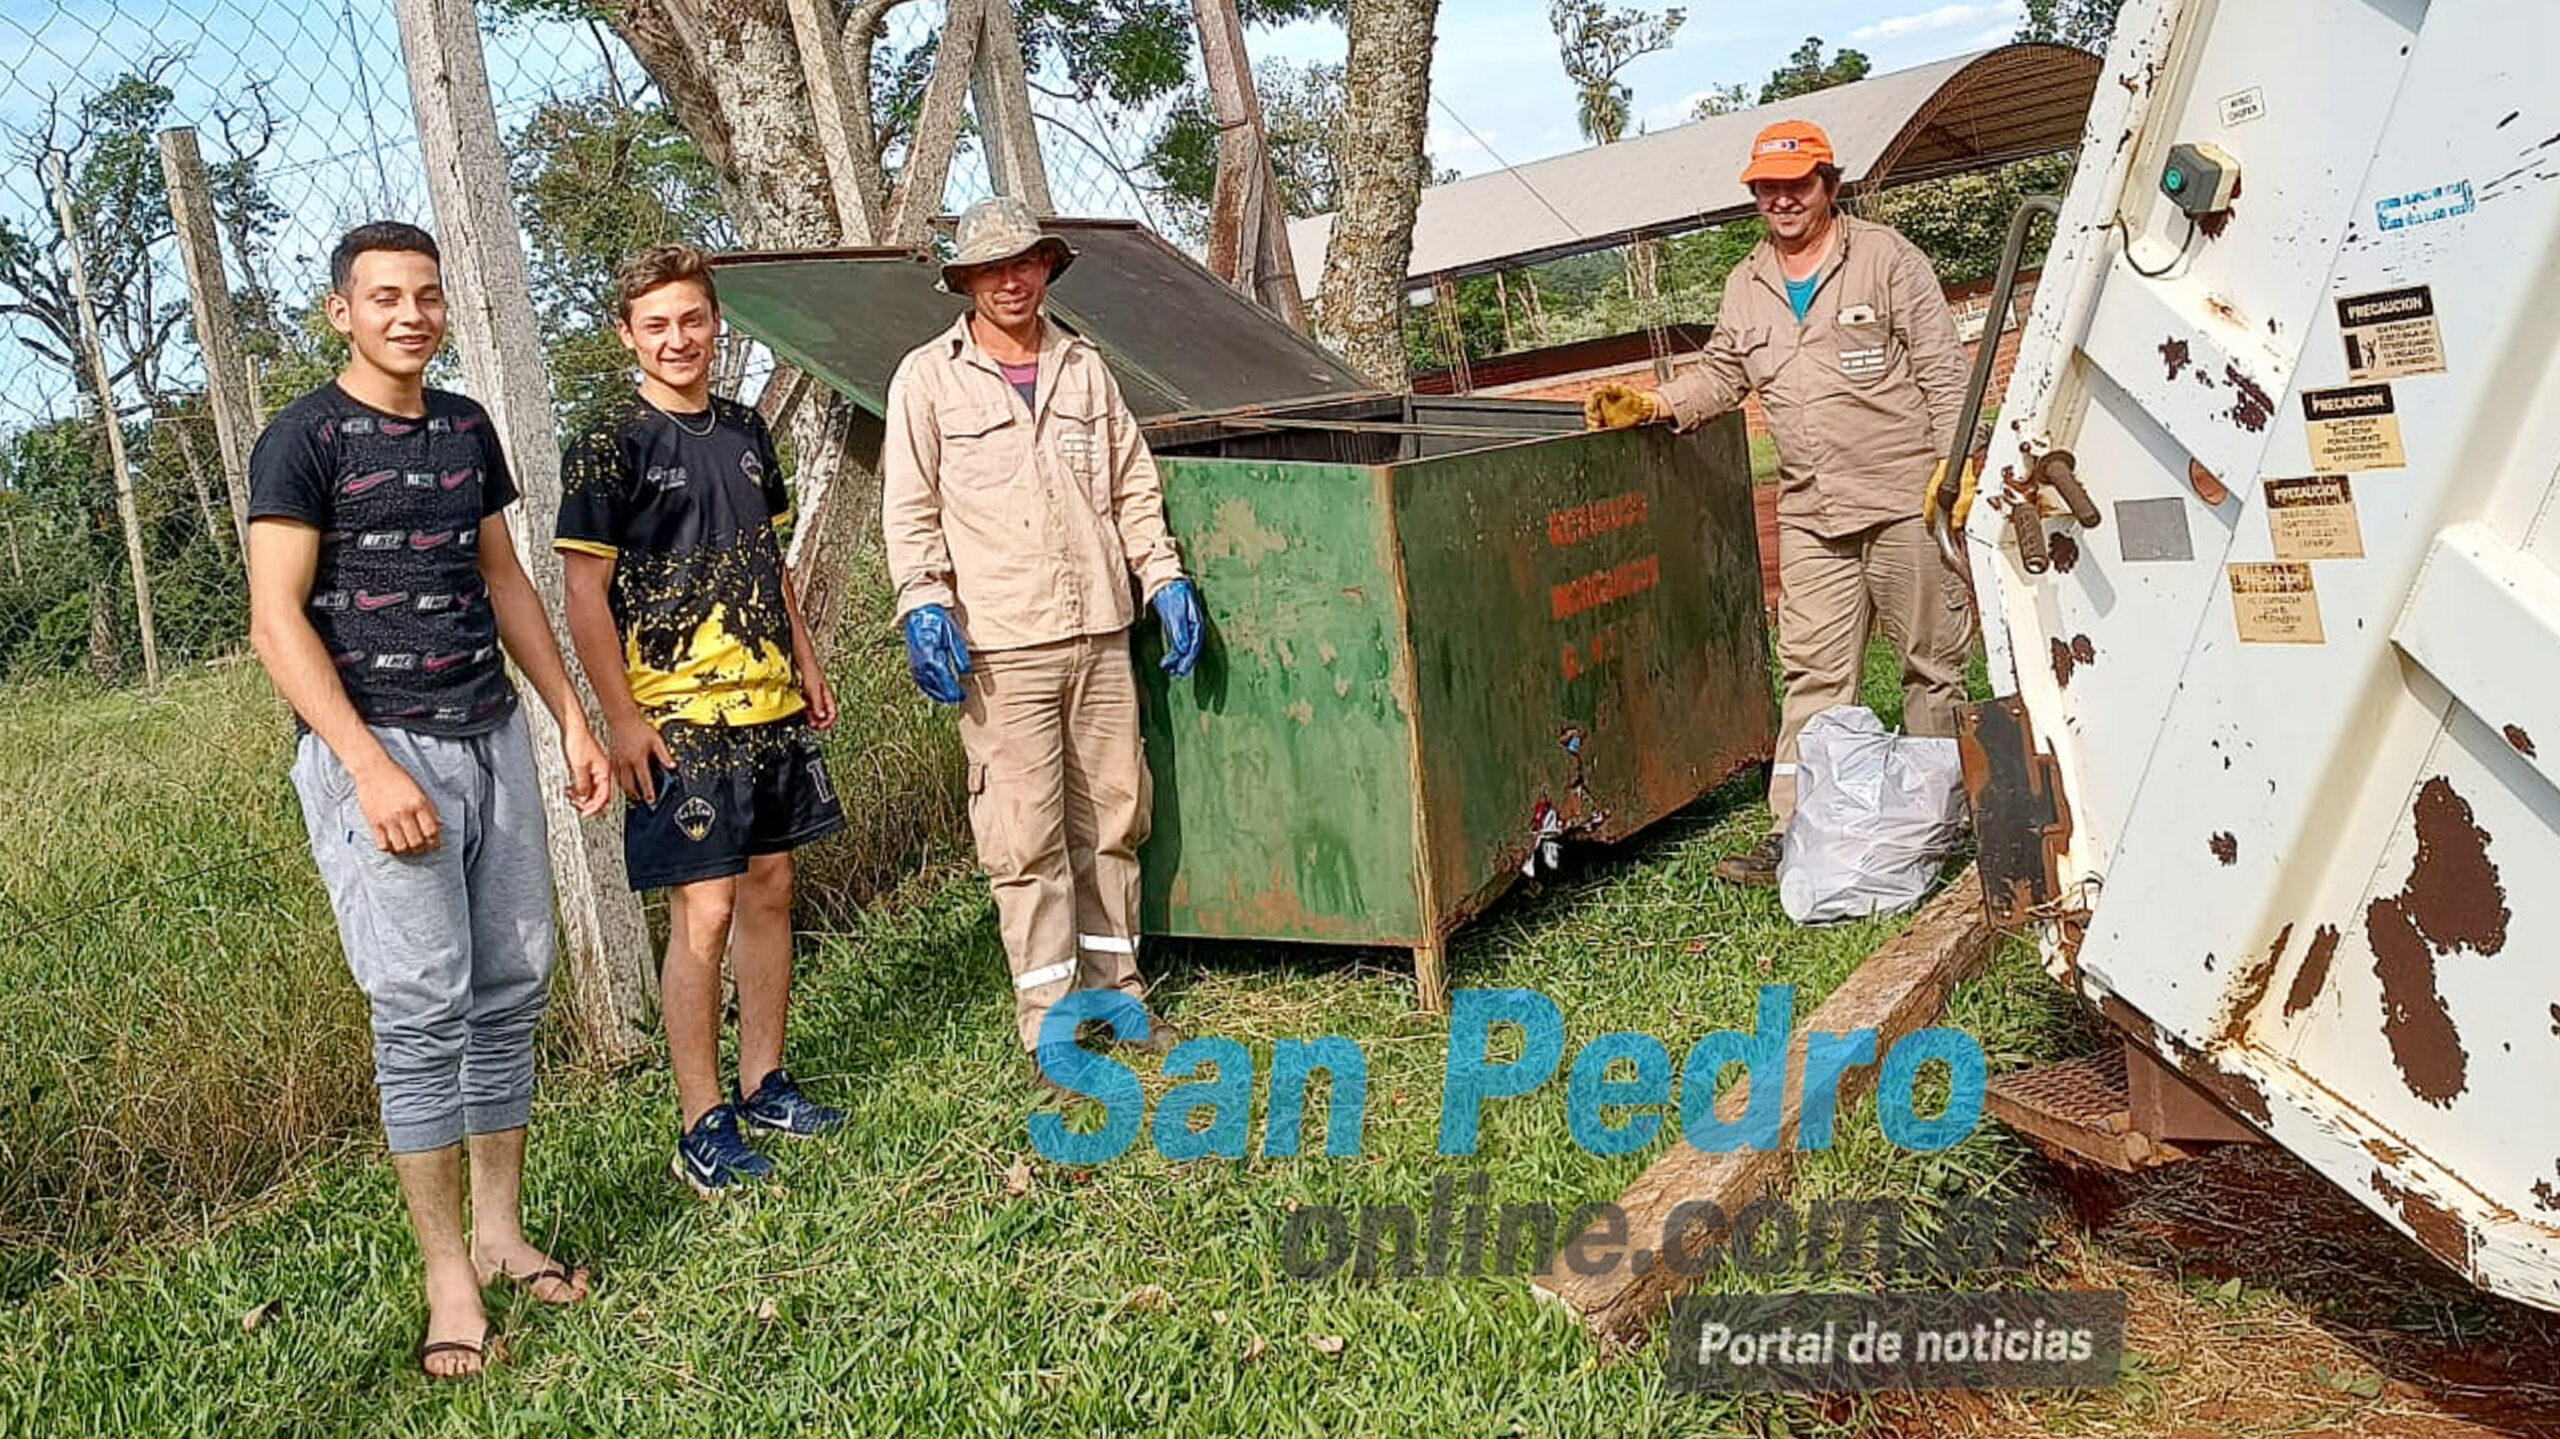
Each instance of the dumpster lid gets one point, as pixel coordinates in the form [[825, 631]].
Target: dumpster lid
[[1180, 340]]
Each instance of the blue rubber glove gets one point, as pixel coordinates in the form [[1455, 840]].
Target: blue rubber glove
[[937, 653], [1178, 606]]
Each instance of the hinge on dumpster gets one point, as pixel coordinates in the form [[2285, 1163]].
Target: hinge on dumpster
[[2021, 817]]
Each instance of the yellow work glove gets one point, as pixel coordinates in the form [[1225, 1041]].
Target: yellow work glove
[[1962, 509], [1621, 407]]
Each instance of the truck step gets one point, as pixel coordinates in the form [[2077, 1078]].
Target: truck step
[[2080, 1112]]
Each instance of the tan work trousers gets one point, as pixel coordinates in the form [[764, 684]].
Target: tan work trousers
[[1059, 802], [1831, 594]]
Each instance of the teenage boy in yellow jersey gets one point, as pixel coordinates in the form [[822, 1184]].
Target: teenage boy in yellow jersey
[[671, 516]]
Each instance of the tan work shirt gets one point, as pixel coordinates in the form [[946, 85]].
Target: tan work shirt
[[1025, 522], [1863, 395]]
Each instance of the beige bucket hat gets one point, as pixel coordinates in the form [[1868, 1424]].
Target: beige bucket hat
[[995, 230]]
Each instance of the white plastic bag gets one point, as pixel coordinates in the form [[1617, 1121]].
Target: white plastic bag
[[1877, 813]]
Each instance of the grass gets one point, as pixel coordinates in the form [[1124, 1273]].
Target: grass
[[242, 1268], [897, 1284], [895, 761], [177, 1031], [176, 1026]]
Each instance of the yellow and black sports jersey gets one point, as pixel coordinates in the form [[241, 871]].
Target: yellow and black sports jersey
[[692, 510]]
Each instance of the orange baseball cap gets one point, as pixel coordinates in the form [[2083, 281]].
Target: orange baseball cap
[[1788, 150]]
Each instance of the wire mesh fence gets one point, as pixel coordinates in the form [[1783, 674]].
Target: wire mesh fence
[[302, 112]]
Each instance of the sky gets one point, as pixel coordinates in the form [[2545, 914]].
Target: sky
[[1496, 72]]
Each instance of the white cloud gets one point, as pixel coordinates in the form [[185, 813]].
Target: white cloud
[[1453, 147], [1930, 22]]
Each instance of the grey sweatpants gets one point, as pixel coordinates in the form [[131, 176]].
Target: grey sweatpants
[[453, 947]]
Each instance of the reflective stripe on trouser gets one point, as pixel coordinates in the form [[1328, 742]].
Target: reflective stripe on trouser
[[1059, 803], [1831, 595]]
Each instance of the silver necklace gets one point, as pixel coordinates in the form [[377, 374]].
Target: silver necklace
[[710, 421]]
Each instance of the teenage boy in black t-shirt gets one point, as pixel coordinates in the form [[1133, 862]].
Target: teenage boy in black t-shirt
[[671, 517], [382, 587]]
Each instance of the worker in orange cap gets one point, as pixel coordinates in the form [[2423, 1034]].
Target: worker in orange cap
[[1842, 329]]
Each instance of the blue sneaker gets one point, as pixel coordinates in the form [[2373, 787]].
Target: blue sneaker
[[778, 1107], [714, 1158]]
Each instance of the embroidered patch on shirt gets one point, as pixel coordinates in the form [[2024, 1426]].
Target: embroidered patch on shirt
[[1080, 449], [1863, 364]]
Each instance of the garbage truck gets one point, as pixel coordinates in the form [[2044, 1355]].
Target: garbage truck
[[2268, 571]]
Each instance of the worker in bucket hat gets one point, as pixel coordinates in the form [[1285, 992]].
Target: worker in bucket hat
[[1841, 328], [1024, 523], [996, 230]]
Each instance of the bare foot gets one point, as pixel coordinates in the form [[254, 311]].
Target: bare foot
[[454, 1317], [542, 1276]]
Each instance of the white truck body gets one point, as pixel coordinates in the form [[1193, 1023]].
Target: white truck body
[[2299, 691]]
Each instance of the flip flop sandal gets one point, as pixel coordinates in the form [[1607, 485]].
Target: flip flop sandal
[[561, 1271], [480, 1351]]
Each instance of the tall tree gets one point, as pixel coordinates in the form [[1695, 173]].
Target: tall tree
[[2089, 24], [1806, 71], [120, 212], [1961, 222], [1596, 42], [1730, 99], [1387, 96], [599, 178]]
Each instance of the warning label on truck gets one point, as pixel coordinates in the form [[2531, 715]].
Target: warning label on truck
[[2355, 427], [2275, 604], [2392, 334], [2314, 519]]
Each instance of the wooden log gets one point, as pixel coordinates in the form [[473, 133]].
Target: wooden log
[[919, 196], [1902, 987], [226, 364], [609, 962], [102, 393], [1248, 232], [1001, 92]]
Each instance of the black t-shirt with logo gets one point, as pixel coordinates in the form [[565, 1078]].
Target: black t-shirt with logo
[[691, 508], [398, 598]]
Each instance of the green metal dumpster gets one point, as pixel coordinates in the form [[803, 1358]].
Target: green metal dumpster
[[1447, 635]]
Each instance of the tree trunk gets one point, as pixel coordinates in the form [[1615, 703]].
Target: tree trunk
[[666, 37], [1387, 90], [781, 168], [601, 926], [1644, 273]]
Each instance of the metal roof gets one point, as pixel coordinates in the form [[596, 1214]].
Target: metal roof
[[1965, 113], [1180, 339]]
